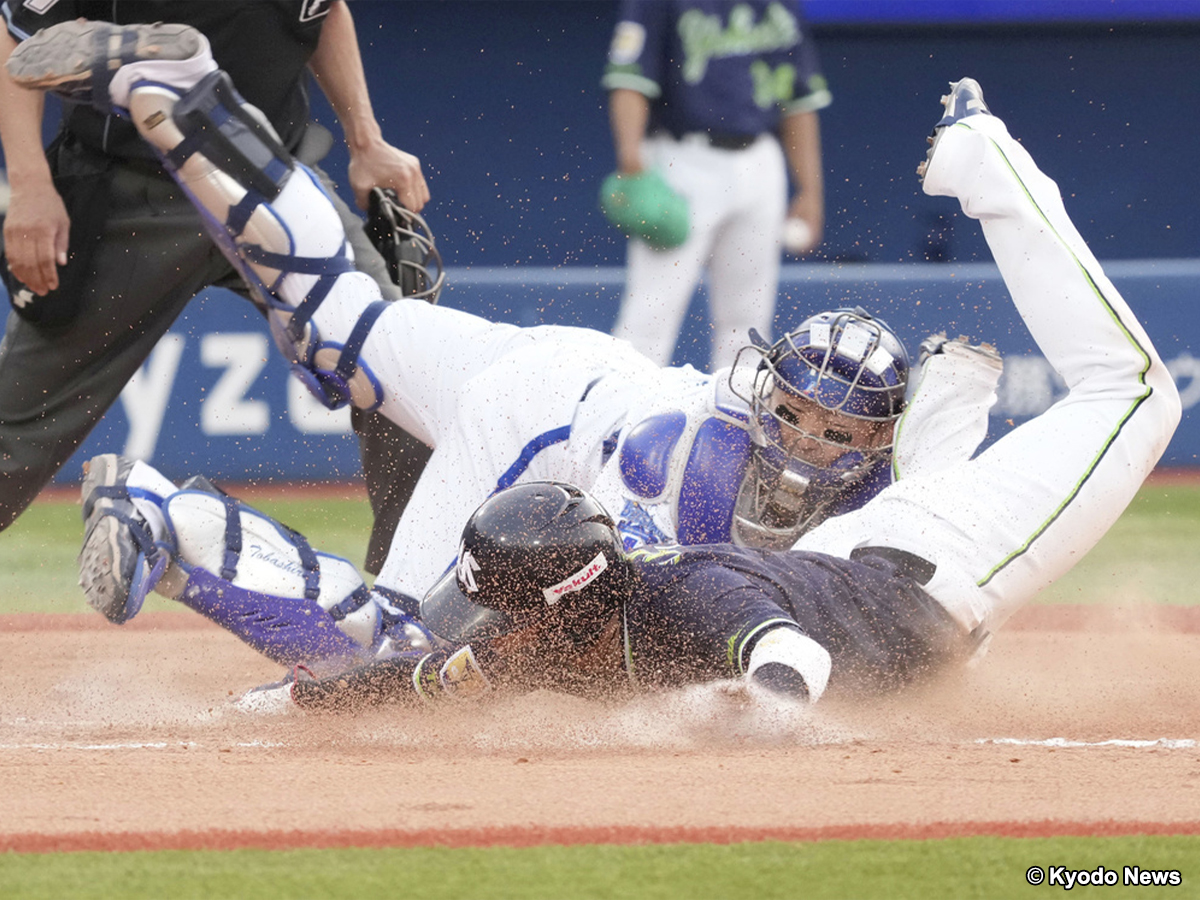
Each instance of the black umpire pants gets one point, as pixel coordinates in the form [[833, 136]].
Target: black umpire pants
[[150, 257]]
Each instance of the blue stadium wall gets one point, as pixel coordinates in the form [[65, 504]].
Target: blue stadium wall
[[501, 102]]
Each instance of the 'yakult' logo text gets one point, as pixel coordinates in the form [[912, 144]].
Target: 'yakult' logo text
[[576, 582]]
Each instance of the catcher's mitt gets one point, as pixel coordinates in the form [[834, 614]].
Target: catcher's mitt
[[646, 207], [407, 246]]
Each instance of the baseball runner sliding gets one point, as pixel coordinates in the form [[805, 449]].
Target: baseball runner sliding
[[913, 580]]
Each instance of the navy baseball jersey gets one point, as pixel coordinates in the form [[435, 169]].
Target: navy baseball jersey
[[695, 615], [698, 611], [716, 67]]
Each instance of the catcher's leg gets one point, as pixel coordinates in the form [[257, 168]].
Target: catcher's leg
[[268, 213], [262, 581], [233, 564]]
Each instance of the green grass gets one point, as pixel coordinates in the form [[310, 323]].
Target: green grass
[[898, 870], [1149, 556]]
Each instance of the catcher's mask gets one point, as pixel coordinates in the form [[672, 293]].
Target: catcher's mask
[[853, 369], [407, 245], [541, 553]]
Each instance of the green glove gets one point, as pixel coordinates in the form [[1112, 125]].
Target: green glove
[[646, 207]]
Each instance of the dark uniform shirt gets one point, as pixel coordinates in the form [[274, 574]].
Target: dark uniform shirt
[[697, 612], [728, 69], [264, 45], [695, 616]]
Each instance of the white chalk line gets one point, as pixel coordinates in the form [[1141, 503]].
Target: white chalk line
[[142, 745], [1164, 743], [1056, 742]]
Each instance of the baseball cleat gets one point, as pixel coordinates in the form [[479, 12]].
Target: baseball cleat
[[78, 58], [965, 99], [118, 563]]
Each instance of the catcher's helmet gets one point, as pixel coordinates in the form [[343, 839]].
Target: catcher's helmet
[[407, 245], [537, 552], [844, 361]]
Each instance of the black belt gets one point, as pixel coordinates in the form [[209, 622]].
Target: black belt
[[723, 140], [730, 141], [918, 569]]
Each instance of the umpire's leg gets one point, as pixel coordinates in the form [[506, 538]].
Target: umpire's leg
[[56, 384]]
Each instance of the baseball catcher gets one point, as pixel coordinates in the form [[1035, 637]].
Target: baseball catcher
[[799, 431], [955, 551]]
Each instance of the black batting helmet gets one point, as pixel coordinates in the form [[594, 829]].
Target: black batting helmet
[[541, 552]]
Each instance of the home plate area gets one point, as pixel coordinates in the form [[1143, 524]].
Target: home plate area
[[1080, 720]]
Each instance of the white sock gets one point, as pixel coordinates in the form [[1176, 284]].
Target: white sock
[[181, 74]]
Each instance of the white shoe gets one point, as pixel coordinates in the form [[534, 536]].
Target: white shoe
[[119, 562]]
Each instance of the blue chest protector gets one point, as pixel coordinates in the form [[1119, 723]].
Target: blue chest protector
[[700, 463]]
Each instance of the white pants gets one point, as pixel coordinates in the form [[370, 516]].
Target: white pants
[[737, 201], [1003, 526], [499, 405]]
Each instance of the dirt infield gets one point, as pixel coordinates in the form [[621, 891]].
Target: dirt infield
[[1080, 721]]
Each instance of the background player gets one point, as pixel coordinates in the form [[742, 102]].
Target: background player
[[464, 385], [923, 574], [97, 198], [720, 99]]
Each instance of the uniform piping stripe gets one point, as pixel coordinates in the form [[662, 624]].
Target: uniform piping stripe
[[1074, 492], [627, 646], [6, 12], [633, 82], [529, 451]]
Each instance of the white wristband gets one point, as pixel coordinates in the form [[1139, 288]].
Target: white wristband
[[789, 647]]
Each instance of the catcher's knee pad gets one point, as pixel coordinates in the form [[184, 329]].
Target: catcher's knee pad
[[262, 581]]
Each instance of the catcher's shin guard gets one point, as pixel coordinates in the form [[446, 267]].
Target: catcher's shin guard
[[273, 220], [288, 630], [262, 581]]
